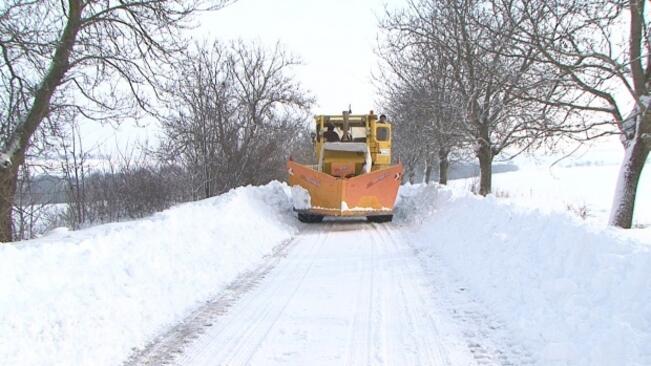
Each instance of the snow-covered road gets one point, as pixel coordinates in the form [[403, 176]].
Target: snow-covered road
[[341, 293]]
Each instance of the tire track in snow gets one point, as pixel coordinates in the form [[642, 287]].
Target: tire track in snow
[[168, 346], [488, 339], [361, 326], [302, 272], [414, 309], [258, 313], [348, 293]]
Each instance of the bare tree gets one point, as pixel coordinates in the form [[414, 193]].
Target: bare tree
[[74, 169], [235, 113], [423, 102], [601, 68], [55, 55], [411, 144], [198, 127], [418, 90], [487, 69]]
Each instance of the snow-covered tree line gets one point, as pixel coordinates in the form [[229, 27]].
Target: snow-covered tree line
[[491, 76]]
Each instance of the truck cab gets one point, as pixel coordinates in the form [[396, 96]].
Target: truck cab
[[363, 144]]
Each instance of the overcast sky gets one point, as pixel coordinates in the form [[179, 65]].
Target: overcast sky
[[335, 39]]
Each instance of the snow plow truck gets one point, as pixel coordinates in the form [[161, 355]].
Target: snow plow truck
[[353, 175]]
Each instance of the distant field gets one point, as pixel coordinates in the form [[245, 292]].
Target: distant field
[[582, 184]]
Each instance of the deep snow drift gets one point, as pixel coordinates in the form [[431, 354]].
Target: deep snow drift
[[89, 297], [576, 294]]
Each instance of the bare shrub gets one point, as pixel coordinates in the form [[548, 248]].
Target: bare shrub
[[580, 210], [500, 193]]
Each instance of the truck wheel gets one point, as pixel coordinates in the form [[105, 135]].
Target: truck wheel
[[380, 218], [309, 218]]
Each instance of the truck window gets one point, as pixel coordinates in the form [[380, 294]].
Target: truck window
[[382, 134]]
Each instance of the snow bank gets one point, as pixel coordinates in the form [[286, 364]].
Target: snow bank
[[88, 297], [301, 198], [578, 294]]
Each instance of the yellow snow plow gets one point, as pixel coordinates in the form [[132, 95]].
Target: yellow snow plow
[[353, 175]]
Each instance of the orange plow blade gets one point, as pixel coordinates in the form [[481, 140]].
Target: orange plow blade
[[368, 194]]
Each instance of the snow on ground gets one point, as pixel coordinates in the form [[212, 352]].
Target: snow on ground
[[585, 191], [89, 297], [348, 292], [576, 293], [583, 184]]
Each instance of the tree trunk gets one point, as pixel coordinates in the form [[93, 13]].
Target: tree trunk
[[206, 181], [8, 181], [638, 145], [444, 164], [629, 175], [16, 146], [485, 156], [412, 177], [428, 173]]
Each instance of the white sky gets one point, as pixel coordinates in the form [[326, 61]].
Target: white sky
[[335, 39]]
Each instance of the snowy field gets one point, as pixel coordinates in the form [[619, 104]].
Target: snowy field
[[583, 184], [570, 290]]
